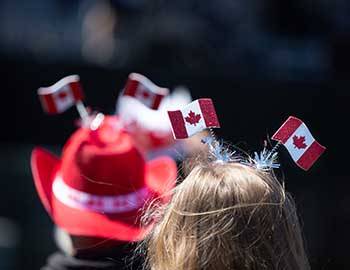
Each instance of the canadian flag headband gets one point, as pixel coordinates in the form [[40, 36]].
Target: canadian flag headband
[[193, 118], [145, 91], [293, 134], [300, 143], [62, 95]]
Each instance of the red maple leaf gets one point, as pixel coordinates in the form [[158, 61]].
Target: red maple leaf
[[299, 142], [145, 94], [192, 118], [62, 95]]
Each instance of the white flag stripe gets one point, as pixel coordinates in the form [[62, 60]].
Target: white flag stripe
[[195, 108], [148, 84], [295, 152], [61, 83]]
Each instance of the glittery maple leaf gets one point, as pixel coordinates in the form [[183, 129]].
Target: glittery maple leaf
[[193, 118], [299, 142]]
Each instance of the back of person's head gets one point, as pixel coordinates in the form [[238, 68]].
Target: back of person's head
[[227, 216], [95, 191]]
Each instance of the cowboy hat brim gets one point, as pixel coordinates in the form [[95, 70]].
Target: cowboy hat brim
[[160, 178]]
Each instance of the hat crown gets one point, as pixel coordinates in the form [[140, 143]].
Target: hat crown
[[103, 161]]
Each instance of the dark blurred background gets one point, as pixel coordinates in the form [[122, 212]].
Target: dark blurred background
[[260, 61]]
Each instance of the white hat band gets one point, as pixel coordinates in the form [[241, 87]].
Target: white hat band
[[103, 204]]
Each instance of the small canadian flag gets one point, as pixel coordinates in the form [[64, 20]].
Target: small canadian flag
[[62, 95], [301, 145], [141, 88], [195, 117]]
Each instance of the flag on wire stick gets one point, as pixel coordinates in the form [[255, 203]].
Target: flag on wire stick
[[195, 117], [62, 95], [300, 143], [141, 88]]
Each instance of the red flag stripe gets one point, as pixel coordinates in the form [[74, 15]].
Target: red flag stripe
[[48, 104], [311, 155], [156, 101], [131, 87], [77, 90], [287, 129], [208, 111], [178, 124]]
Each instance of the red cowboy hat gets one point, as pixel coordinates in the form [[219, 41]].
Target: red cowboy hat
[[101, 183]]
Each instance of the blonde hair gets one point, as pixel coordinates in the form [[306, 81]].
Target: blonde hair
[[227, 216]]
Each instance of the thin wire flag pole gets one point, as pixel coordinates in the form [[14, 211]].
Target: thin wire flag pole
[[211, 131], [212, 134], [274, 149], [84, 114]]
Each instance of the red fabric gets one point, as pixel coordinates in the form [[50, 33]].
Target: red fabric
[[131, 87], [100, 165], [92, 159], [178, 124], [43, 164], [208, 112], [77, 90], [287, 129], [311, 155], [48, 104], [157, 100]]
